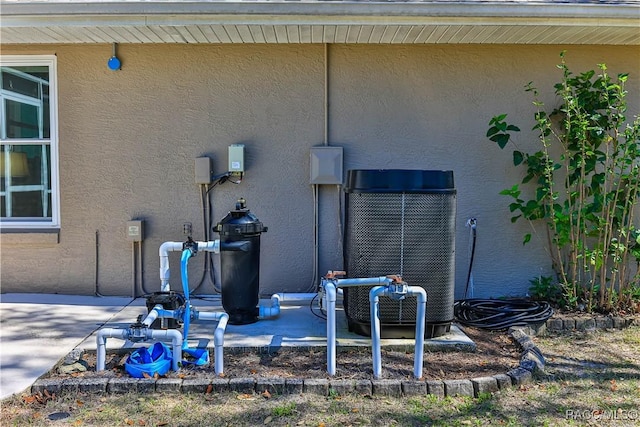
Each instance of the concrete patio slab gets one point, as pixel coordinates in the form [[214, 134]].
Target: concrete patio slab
[[37, 330]]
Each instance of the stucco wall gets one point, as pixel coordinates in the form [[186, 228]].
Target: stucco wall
[[128, 140]]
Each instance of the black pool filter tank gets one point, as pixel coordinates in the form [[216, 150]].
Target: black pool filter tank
[[401, 221], [240, 234]]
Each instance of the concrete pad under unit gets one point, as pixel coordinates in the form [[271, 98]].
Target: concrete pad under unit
[[296, 327]]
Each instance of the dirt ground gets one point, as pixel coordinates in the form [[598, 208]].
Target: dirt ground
[[496, 353], [591, 378]]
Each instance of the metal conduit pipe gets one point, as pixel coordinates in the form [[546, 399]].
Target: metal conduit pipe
[[218, 336], [391, 291], [166, 247], [149, 334]]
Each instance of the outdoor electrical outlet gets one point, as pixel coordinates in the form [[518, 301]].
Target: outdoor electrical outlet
[[186, 229]]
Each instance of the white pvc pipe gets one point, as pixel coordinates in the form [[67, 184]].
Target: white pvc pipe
[[332, 287], [176, 342], [375, 327], [421, 324], [218, 336], [160, 335], [151, 316], [330, 291], [164, 250], [290, 297], [101, 338], [166, 247], [218, 342], [369, 281]]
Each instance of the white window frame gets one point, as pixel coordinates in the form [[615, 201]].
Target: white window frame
[[51, 62]]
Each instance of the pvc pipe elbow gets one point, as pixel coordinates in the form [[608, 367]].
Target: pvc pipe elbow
[[167, 247], [375, 292], [330, 290], [269, 312], [105, 333], [176, 341], [218, 342], [218, 334], [101, 339], [419, 291], [163, 251]]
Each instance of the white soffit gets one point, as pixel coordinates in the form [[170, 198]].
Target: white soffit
[[314, 21]]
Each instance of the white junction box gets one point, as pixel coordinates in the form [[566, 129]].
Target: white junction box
[[326, 165]]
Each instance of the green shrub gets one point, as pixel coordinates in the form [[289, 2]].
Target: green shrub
[[583, 185]]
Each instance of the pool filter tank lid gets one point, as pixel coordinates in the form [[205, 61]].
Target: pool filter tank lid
[[240, 222]]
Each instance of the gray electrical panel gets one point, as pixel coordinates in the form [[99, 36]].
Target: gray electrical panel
[[236, 158], [326, 165], [204, 170], [135, 230]]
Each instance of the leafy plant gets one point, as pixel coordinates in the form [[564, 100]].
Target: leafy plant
[[585, 181], [284, 410], [544, 288]]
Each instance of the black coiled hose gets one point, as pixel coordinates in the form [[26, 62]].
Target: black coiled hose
[[497, 315]]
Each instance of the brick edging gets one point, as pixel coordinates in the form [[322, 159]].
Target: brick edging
[[583, 323], [531, 361]]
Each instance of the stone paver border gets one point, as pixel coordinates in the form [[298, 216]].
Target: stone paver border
[[531, 361]]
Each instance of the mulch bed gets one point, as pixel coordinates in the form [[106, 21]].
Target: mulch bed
[[496, 353]]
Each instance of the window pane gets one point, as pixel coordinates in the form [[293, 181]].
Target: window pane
[[22, 120], [23, 85], [46, 112], [26, 180], [31, 85], [26, 204]]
